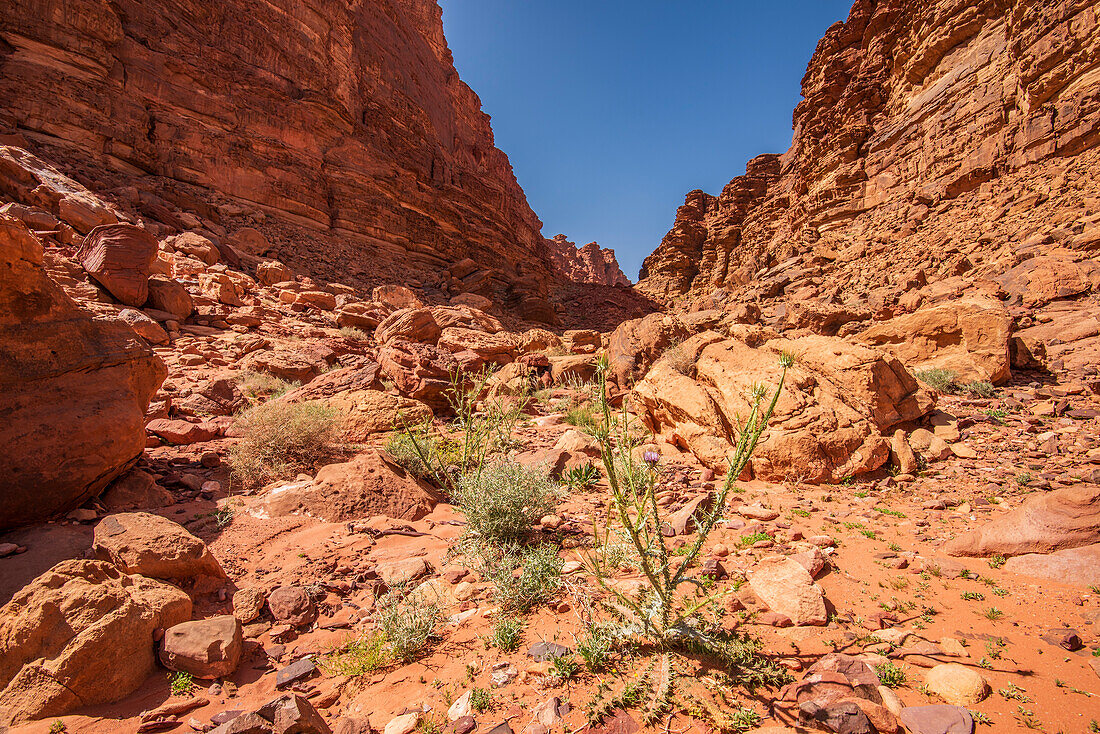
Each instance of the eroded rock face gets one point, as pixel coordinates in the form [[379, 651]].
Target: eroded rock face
[[588, 264], [910, 150], [80, 634], [73, 390], [399, 167]]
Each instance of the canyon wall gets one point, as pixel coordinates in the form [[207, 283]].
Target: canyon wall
[[587, 264], [340, 129], [929, 133]]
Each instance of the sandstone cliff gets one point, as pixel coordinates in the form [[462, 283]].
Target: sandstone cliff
[[932, 136], [340, 130], [588, 264]]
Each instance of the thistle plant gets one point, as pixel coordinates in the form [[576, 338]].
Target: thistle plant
[[661, 613]]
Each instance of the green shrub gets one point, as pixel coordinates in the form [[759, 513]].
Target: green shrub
[[579, 477], [361, 656], [181, 683], [504, 499], [410, 448], [350, 332], [595, 647], [407, 622], [481, 699], [522, 578], [938, 379], [581, 416], [980, 388], [282, 439], [507, 633]]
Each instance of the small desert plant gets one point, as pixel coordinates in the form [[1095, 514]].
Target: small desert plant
[[350, 332], [522, 578], [938, 379], [997, 561], [595, 647], [504, 499], [180, 683], [281, 439], [58, 727], [581, 416], [424, 453], [565, 666], [979, 388], [993, 614], [360, 656], [679, 359], [407, 622], [507, 633], [890, 675], [579, 477], [261, 384], [659, 612], [481, 699]]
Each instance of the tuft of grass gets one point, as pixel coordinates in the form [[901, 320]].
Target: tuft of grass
[[978, 388], [939, 379], [407, 622], [581, 416], [595, 647], [361, 656], [565, 666], [282, 439], [1024, 478], [973, 596], [350, 332], [507, 633], [257, 385], [481, 699], [993, 614], [522, 578], [752, 538], [503, 500]]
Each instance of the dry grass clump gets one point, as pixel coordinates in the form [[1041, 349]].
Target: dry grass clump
[[282, 439], [504, 499]]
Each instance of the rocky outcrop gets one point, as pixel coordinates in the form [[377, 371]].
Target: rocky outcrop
[[191, 111], [947, 136], [80, 634], [588, 264], [73, 390]]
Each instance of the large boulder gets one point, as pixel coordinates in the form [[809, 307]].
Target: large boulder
[[170, 297], [970, 337], [409, 324], [154, 546], [120, 258], [369, 484], [367, 412], [1057, 273], [205, 648], [420, 371], [73, 390], [81, 634], [837, 402], [499, 348], [1065, 518], [636, 344]]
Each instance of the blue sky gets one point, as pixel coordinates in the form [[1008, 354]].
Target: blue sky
[[611, 111]]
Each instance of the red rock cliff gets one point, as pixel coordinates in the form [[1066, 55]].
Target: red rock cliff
[[932, 134], [588, 264], [345, 120]]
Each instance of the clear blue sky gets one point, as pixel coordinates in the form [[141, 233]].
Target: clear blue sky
[[611, 111]]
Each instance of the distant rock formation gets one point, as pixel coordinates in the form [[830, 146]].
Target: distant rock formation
[[345, 121], [932, 136], [588, 264]]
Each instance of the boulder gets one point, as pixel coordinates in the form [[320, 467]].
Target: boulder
[[358, 315], [289, 714], [395, 297], [419, 371], [153, 546], [937, 720], [146, 328], [572, 367], [409, 324], [581, 341], [956, 684], [248, 603], [180, 432], [136, 490], [317, 299], [220, 287], [205, 648], [271, 272], [1070, 566], [293, 605], [497, 348], [73, 390], [81, 634], [120, 257], [636, 344], [969, 337], [787, 588], [367, 412], [465, 318], [195, 245], [1056, 273], [838, 400], [1064, 518], [369, 484], [250, 241], [169, 296]]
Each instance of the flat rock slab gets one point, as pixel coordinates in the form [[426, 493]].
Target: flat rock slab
[[1071, 566], [937, 720], [296, 671]]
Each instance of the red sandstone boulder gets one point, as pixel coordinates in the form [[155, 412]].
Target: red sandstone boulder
[[180, 432], [969, 337], [409, 324], [370, 484], [1064, 518], [635, 345], [73, 390], [395, 297], [153, 546], [204, 648], [81, 634], [419, 371], [120, 257], [170, 297], [499, 348]]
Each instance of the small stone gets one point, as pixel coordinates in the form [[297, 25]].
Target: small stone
[[296, 671], [403, 724]]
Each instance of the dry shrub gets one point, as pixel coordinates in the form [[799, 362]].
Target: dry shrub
[[282, 439]]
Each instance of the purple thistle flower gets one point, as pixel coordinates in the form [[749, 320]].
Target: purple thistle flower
[[651, 457]]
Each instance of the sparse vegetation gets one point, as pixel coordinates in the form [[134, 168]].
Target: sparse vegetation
[[181, 683], [407, 622], [261, 385], [507, 633], [350, 332], [978, 388], [481, 699], [891, 675], [522, 578], [581, 477], [281, 439], [504, 499], [938, 379], [360, 656]]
